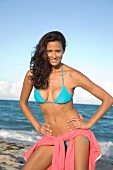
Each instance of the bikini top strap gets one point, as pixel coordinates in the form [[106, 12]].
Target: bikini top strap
[[62, 74]]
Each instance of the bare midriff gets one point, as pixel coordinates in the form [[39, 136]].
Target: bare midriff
[[57, 116]]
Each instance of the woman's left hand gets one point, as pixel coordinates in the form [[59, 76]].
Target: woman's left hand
[[77, 123]]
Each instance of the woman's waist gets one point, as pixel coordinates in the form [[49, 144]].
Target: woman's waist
[[66, 134], [59, 123]]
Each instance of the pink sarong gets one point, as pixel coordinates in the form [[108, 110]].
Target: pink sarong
[[59, 160]]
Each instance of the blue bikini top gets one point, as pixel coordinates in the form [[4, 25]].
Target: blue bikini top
[[63, 97]]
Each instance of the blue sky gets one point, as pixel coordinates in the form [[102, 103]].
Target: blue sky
[[86, 24]]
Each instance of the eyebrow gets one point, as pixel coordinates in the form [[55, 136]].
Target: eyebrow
[[53, 50]]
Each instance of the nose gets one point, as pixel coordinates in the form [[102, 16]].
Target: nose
[[53, 55]]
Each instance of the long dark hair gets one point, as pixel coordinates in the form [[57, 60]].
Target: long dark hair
[[39, 64]]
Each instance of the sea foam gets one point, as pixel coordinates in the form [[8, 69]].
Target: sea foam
[[20, 136], [107, 149]]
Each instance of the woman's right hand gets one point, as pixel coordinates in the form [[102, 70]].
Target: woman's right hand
[[45, 129]]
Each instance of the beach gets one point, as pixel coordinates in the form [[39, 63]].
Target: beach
[[11, 157]]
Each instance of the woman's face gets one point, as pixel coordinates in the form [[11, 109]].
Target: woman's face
[[55, 52]]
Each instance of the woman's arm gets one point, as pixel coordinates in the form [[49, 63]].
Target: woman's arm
[[107, 100], [26, 91]]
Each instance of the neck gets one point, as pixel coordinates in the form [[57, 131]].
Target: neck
[[56, 68]]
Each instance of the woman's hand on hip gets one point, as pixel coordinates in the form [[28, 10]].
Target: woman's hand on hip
[[45, 129], [77, 123]]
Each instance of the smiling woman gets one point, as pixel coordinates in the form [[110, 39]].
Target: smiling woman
[[68, 143]]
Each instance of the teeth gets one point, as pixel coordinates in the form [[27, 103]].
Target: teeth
[[54, 60]]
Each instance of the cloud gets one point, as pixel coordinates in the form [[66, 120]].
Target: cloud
[[12, 91], [9, 90], [82, 96]]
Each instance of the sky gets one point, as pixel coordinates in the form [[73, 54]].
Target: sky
[[87, 26]]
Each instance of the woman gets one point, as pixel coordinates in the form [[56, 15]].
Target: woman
[[68, 142]]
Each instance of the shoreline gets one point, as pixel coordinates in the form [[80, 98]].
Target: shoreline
[[11, 156]]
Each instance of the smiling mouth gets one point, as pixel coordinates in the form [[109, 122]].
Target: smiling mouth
[[53, 60]]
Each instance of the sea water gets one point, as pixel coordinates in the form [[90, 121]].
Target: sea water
[[15, 127]]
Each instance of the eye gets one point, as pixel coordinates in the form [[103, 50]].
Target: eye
[[49, 51], [58, 51]]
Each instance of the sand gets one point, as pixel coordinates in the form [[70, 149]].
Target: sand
[[11, 157]]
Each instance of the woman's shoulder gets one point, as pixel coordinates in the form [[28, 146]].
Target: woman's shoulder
[[71, 70], [28, 77], [74, 74], [29, 73]]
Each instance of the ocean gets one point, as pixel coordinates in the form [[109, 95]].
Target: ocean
[[15, 127]]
